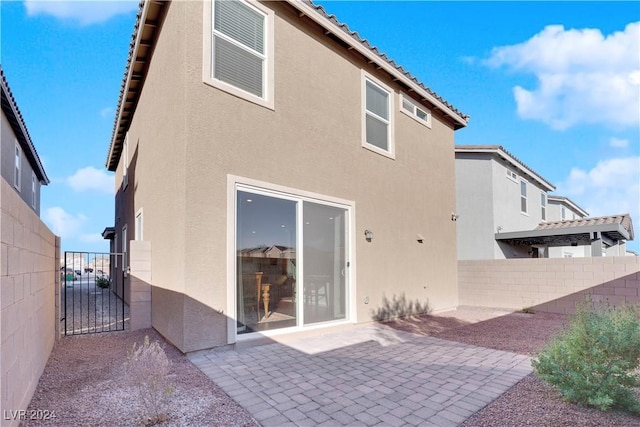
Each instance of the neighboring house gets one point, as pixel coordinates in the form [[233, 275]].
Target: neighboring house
[[245, 124], [504, 210], [20, 166]]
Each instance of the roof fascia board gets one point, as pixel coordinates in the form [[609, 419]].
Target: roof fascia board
[[600, 228], [143, 19], [336, 31]]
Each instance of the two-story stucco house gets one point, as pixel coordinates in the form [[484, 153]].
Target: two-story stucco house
[[20, 165], [283, 173], [504, 210]]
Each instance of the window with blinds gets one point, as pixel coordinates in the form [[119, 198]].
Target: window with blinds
[[239, 46], [377, 117]]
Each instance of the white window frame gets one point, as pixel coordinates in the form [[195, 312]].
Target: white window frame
[[115, 248], [412, 109], [124, 247], [563, 213], [34, 190], [543, 206], [267, 100], [235, 183], [125, 164], [524, 196], [390, 152], [17, 172], [139, 224]]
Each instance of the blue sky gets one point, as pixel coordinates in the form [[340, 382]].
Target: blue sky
[[556, 83]]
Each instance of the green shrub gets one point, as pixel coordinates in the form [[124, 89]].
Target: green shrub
[[594, 361], [103, 282]]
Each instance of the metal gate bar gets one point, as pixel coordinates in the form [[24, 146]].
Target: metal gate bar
[[93, 293]]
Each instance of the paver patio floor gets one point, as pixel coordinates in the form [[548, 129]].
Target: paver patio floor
[[365, 376]]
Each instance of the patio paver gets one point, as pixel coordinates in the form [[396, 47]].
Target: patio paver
[[342, 378]]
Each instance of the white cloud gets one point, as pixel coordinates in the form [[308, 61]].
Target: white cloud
[[62, 223], [85, 12], [612, 187], [106, 112], [619, 143], [583, 76], [91, 179]]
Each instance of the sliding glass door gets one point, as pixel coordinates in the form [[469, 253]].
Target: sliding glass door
[[324, 257], [291, 261]]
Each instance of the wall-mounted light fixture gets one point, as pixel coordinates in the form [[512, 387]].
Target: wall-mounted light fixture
[[498, 228], [420, 238], [368, 234], [454, 216]]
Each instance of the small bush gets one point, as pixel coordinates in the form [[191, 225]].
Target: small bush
[[147, 368], [103, 282], [594, 361]]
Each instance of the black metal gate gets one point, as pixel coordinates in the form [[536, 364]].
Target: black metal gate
[[93, 297]]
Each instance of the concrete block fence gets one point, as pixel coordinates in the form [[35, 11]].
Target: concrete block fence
[[548, 284]]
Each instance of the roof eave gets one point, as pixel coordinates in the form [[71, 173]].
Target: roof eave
[[12, 111], [313, 14]]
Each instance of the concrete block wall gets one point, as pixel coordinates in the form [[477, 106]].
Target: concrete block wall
[[29, 266], [548, 284], [138, 285]]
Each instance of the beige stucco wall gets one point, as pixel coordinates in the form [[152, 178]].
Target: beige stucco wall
[[191, 136], [27, 301], [547, 284]]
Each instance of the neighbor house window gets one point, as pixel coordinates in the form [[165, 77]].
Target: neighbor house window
[[563, 214], [241, 40], [34, 188], [125, 155], [139, 225], [377, 117], [416, 112], [523, 196], [543, 206], [18, 167]]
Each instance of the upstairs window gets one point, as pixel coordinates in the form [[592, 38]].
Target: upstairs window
[[563, 214], [125, 155], [34, 187], [377, 117], [139, 225], [543, 206], [240, 49], [523, 196], [18, 167], [416, 112]]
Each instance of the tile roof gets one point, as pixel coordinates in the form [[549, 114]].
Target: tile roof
[[356, 37], [11, 110], [327, 21], [624, 220]]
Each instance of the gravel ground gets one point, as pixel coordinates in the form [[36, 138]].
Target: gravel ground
[[84, 384], [531, 402], [84, 381]]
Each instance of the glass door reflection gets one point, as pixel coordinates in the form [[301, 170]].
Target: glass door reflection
[[266, 262]]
